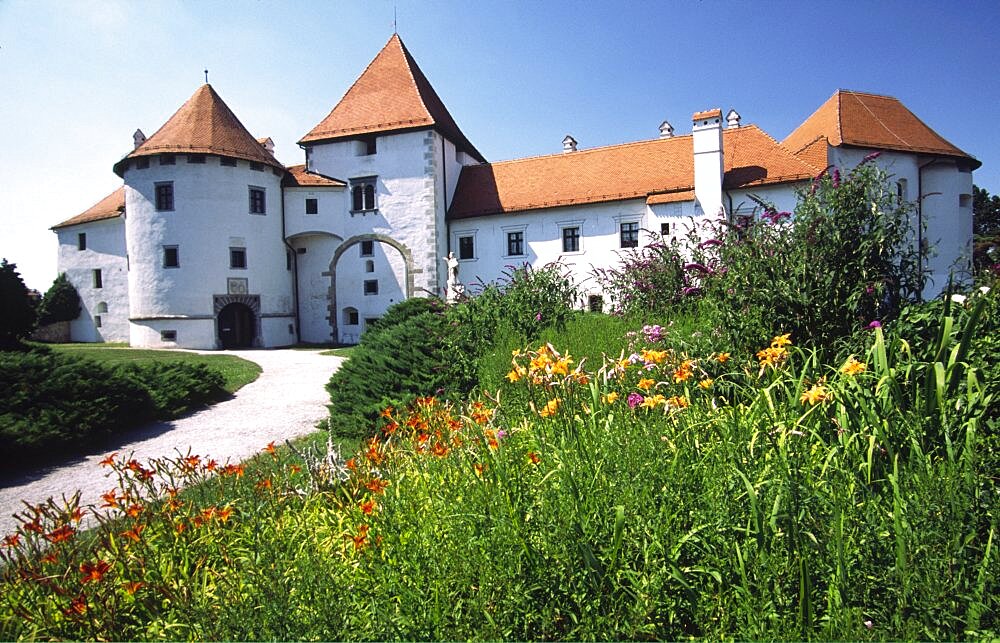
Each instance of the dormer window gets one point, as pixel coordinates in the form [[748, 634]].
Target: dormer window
[[366, 146], [363, 194]]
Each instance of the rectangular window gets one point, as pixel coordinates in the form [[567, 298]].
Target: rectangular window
[[97, 321], [171, 257], [312, 206], [227, 161], [142, 163], [515, 243], [167, 159], [165, 196], [571, 239], [371, 286], [168, 335], [466, 248], [351, 317], [595, 303], [196, 158], [368, 248], [629, 235], [257, 167], [98, 279], [257, 203], [664, 230], [238, 258], [363, 194], [288, 259], [370, 146], [81, 241]]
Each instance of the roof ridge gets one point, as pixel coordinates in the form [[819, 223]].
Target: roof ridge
[[787, 151], [589, 150], [408, 59], [880, 121]]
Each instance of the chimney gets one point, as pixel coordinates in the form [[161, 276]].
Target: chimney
[[138, 139], [666, 130], [706, 134], [732, 119], [569, 144]]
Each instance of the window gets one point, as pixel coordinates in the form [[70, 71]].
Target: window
[[257, 167], [466, 247], [371, 286], [629, 234], [370, 146], [167, 159], [196, 158], [102, 307], [97, 321], [227, 161], [171, 257], [238, 258], [165, 196], [312, 206], [515, 243], [664, 230], [595, 303], [901, 189], [571, 239], [98, 279], [168, 335], [350, 317], [368, 248], [363, 194], [288, 259], [81, 241], [369, 266], [257, 203], [142, 163]]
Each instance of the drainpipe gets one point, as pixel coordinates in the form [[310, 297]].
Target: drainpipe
[[444, 198], [295, 271]]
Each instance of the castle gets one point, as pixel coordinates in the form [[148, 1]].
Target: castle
[[212, 243]]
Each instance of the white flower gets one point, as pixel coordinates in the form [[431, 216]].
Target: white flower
[[958, 299], [984, 289]]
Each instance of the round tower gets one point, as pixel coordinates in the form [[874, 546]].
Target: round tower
[[208, 267]]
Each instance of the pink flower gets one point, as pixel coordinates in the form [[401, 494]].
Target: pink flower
[[634, 400], [538, 317], [875, 324]]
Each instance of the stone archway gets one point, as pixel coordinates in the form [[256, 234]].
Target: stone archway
[[410, 270], [237, 321]]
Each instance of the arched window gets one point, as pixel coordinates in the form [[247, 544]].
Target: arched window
[[357, 194], [350, 316], [102, 307], [370, 197], [369, 266]]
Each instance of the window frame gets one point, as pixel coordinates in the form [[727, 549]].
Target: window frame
[[576, 238], [370, 287], [81, 241], [314, 202], [168, 335], [632, 231], [164, 196], [142, 163], [227, 161], [364, 193], [366, 248], [168, 159], [176, 256], [259, 202], [237, 251], [98, 278], [471, 237]]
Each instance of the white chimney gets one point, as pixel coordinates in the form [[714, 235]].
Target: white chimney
[[569, 144], [138, 139], [733, 119], [706, 134], [666, 130]]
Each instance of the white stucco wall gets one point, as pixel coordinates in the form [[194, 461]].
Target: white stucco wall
[[105, 252], [210, 215]]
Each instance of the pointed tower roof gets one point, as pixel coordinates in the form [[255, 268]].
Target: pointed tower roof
[[203, 125], [873, 121], [392, 94]]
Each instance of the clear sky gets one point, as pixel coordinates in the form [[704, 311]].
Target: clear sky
[[79, 76]]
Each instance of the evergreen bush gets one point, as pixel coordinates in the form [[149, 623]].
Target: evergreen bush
[[176, 388], [18, 318], [60, 303]]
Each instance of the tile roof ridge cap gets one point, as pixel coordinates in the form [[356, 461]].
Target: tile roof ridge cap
[[408, 59], [872, 94], [885, 125], [812, 142], [586, 151]]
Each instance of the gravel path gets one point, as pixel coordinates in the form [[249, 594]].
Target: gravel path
[[286, 401]]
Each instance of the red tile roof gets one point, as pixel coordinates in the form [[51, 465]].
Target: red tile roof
[[392, 94], [109, 207], [873, 121], [619, 172], [203, 125], [298, 176]]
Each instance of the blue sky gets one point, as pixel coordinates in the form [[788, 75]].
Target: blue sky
[[79, 76]]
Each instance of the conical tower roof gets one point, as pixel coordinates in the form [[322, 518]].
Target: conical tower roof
[[392, 94], [203, 125]]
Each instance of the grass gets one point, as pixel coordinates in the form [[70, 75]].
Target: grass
[[236, 371], [340, 351]]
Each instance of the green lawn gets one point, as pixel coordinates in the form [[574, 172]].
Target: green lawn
[[340, 351], [236, 371]]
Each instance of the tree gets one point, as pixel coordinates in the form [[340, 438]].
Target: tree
[[985, 212], [61, 302], [18, 318]]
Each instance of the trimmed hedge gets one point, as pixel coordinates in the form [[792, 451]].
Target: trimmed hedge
[[56, 404]]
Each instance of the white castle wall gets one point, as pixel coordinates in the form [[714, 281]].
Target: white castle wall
[[211, 214], [105, 252]]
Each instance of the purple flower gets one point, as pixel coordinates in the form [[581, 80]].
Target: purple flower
[[501, 434], [690, 290], [700, 267], [875, 324], [653, 333], [634, 400], [871, 157], [538, 317], [708, 243], [836, 178]]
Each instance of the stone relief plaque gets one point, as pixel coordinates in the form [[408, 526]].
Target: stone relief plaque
[[237, 285]]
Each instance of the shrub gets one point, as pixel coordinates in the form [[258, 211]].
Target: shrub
[[175, 388], [60, 303], [649, 280], [18, 317], [398, 359]]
